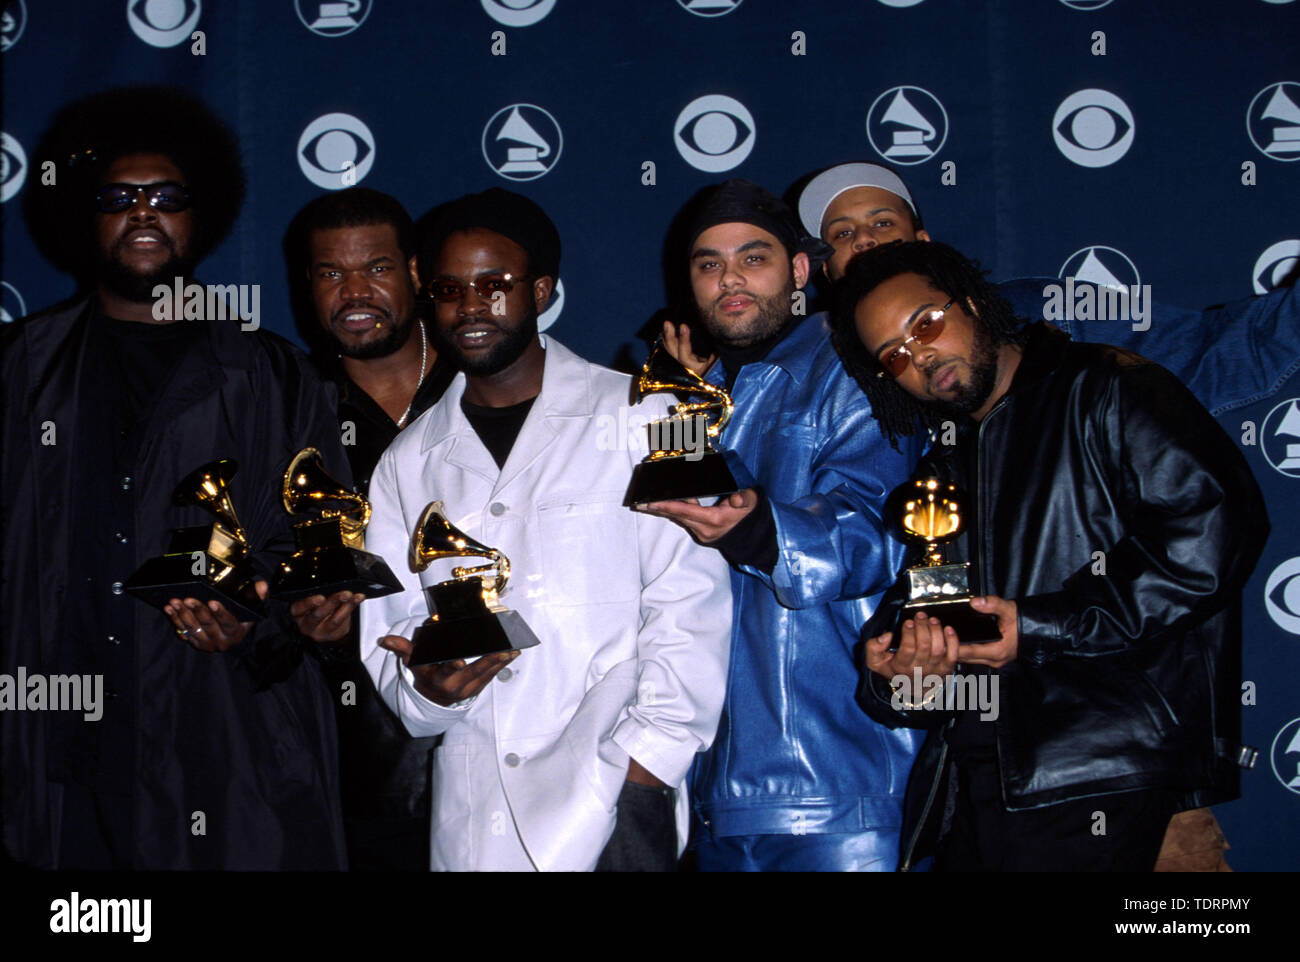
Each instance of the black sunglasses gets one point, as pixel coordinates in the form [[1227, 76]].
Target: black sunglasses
[[165, 195]]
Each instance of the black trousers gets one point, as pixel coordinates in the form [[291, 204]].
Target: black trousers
[[645, 833], [1108, 833], [394, 844], [96, 834]]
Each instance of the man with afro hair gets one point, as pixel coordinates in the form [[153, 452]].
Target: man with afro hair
[[205, 742]]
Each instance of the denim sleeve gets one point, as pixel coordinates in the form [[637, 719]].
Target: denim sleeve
[[1228, 356]]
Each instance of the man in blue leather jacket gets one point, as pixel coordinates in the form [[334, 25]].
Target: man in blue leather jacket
[[798, 778]]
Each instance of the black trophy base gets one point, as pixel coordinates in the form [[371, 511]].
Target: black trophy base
[[159, 580], [326, 570], [972, 627], [464, 627], [437, 641], [676, 478]]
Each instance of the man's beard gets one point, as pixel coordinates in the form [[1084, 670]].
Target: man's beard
[[136, 287], [773, 315], [390, 343], [968, 398], [508, 350]]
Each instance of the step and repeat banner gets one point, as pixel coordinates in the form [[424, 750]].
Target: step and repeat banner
[[1126, 142]]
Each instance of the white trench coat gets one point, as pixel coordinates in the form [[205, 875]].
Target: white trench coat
[[633, 616]]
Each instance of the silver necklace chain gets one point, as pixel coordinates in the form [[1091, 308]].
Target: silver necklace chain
[[424, 357]]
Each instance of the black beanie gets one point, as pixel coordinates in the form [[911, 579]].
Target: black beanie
[[500, 211], [739, 201]]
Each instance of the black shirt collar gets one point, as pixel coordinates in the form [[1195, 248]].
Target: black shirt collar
[[733, 359]]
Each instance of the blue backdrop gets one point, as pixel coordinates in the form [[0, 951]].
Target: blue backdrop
[[1145, 142]]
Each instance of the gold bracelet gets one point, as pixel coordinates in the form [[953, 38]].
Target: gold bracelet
[[908, 705]]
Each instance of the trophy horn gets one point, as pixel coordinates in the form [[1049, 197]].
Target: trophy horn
[[436, 538], [209, 488], [307, 484], [663, 373]]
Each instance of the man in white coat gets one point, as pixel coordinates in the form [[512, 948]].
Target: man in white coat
[[571, 755]]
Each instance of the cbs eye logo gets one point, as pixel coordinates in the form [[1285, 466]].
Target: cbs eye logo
[[1086, 4], [13, 167], [12, 22], [163, 23], [714, 133], [1282, 596], [11, 303], [336, 151], [1093, 128], [900, 3], [518, 13], [709, 8], [1278, 262]]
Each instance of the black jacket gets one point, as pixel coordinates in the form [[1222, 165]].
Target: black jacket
[[244, 736], [1124, 680]]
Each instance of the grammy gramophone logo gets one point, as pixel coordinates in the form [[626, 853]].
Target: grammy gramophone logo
[[907, 125], [331, 553], [522, 142], [932, 513], [466, 616], [681, 464], [208, 562]]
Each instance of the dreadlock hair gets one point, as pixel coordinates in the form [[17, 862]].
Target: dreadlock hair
[[88, 135], [355, 207], [947, 270]]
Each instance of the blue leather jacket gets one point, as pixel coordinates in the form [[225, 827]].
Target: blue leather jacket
[[794, 754]]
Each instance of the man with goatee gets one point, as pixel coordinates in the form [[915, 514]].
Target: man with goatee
[[215, 749], [798, 778], [569, 755], [359, 250]]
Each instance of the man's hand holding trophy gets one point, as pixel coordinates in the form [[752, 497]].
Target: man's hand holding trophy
[[466, 617], [205, 583]]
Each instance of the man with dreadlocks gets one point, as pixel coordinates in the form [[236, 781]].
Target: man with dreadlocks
[[212, 746], [1111, 524]]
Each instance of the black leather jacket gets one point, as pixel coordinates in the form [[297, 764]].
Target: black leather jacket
[[1124, 680]]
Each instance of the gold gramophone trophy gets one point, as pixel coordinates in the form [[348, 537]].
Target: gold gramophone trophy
[[208, 562], [331, 553], [466, 619], [932, 512], [674, 468]]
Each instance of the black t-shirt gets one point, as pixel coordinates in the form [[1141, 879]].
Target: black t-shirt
[[497, 428], [128, 365], [372, 430], [973, 739], [384, 772], [143, 357]]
